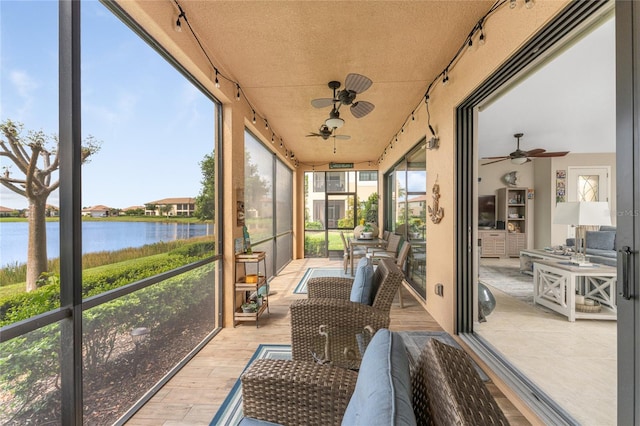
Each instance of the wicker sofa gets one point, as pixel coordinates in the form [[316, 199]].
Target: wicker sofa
[[442, 388], [335, 304]]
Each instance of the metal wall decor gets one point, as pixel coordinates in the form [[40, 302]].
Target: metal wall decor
[[436, 213]]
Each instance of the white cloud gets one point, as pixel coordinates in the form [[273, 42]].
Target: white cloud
[[24, 84]]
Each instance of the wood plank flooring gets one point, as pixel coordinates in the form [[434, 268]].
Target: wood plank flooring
[[193, 396]]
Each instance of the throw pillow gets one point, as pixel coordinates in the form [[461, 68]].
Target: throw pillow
[[383, 393], [602, 240], [362, 283]]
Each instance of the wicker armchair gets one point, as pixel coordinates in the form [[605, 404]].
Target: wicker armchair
[[447, 390], [343, 321], [387, 279]]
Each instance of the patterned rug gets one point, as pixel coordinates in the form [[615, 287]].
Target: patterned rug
[[505, 275], [230, 412], [301, 288]]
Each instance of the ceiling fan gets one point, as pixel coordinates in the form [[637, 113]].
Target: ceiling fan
[[353, 85], [325, 133], [520, 157]]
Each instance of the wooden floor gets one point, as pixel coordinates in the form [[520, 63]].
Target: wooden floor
[[193, 396]]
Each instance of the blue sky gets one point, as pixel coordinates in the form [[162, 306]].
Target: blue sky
[[154, 125]]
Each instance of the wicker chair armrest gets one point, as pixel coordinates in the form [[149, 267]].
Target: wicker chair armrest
[[343, 321], [296, 392], [329, 287]]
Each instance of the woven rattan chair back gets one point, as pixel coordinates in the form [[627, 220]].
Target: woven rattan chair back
[[387, 278], [393, 244], [448, 390], [402, 254]]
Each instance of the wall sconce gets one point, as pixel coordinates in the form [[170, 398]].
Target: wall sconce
[[433, 143]]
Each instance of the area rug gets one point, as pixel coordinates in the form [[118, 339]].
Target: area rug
[[230, 412], [415, 341], [505, 275], [301, 288]]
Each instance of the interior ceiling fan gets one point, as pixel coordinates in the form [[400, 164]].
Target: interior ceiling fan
[[520, 157], [353, 85]]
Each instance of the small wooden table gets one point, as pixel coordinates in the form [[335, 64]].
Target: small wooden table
[[555, 283], [364, 242]]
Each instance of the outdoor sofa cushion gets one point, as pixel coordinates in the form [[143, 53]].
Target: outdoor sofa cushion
[[383, 390], [361, 289]]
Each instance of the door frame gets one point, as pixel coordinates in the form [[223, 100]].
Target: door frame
[[628, 207], [576, 16]]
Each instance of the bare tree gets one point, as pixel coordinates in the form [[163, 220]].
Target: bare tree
[[36, 157]]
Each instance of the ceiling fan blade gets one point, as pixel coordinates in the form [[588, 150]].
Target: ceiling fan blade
[[496, 161], [322, 102], [361, 108], [502, 157], [313, 134], [535, 152], [343, 137], [550, 154], [357, 83]]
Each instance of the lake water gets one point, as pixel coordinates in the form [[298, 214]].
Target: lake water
[[96, 236]]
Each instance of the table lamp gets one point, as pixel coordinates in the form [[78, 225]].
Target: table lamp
[[581, 214]]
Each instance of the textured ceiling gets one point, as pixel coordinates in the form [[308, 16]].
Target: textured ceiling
[[283, 54]]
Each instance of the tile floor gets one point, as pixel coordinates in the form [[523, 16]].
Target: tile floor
[[193, 396], [574, 363]]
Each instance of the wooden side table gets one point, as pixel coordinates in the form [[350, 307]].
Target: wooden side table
[[248, 283]]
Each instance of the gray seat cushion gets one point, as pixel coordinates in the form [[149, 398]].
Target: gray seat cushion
[[362, 287], [383, 390]]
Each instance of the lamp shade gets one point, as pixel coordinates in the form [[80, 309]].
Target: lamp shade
[[582, 213], [518, 160]]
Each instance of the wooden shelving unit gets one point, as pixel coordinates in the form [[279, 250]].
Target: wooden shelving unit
[[512, 210], [246, 284]]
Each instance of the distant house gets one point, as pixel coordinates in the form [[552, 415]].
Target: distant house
[[171, 207], [97, 211], [52, 211], [130, 210], [7, 212]]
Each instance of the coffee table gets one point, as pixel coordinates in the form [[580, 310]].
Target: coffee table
[[555, 284], [528, 256]]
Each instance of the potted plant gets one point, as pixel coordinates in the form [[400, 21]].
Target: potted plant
[[249, 307], [260, 299], [367, 231]]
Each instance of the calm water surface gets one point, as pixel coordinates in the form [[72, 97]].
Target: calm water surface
[[96, 236]]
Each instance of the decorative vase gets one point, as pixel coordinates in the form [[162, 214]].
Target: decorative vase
[[486, 300]]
